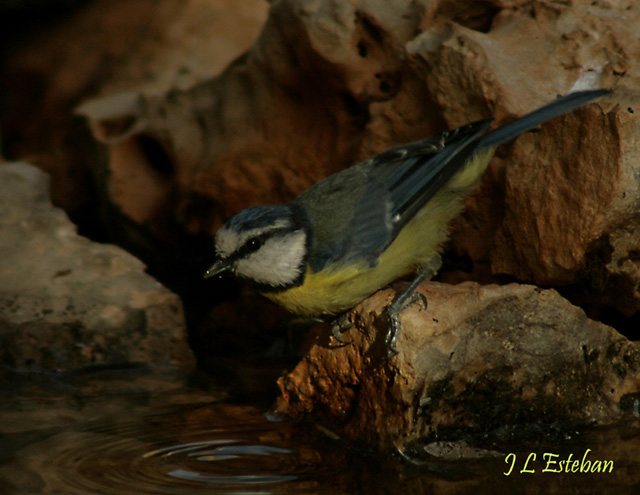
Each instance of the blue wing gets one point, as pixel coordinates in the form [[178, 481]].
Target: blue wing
[[360, 211], [403, 180]]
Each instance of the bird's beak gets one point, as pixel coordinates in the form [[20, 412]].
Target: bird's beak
[[218, 267]]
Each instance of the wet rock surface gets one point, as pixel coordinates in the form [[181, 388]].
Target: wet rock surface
[[479, 359], [138, 432], [67, 302]]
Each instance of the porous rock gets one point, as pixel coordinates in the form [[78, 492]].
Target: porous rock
[[143, 47], [330, 82], [68, 303], [478, 359]]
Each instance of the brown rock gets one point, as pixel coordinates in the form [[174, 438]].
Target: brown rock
[[480, 358], [568, 217], [68, 303], [329, 83], [107, 47]]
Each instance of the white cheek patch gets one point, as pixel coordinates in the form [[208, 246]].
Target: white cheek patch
[[227, 241], [277, 262]]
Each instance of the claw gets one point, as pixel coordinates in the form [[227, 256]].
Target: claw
[[339, 325], [395, 325], [392, 333], [404, 300], [418, 297]]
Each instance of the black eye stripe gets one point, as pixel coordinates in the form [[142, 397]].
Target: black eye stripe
[[253, 244]]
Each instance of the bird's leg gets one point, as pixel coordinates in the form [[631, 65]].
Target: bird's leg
[[409, 296]]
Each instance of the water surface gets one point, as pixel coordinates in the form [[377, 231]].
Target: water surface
[[139, 431]]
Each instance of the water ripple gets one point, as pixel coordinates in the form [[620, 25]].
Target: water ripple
[[212, 449]]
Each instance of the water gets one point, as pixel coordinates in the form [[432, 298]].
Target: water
[[155, 432], [142, 432]]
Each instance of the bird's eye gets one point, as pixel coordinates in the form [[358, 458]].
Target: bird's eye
[[254, 244]]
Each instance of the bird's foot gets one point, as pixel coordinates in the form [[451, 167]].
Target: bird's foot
[[339, 325], [405, 300]]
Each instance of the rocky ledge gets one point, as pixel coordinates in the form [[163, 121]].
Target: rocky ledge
[[479, 359], [68, 303]]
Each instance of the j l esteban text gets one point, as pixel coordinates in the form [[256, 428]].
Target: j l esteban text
[[549, 462]]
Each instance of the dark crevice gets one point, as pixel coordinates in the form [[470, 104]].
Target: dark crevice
[[370, 29], [355, 108], [155, 154], [478, 16]]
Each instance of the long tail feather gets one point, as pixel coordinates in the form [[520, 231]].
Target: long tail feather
[[537, 117]]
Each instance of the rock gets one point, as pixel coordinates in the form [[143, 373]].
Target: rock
[[329, 83], [568, 219], [480, 359], [121, 46], [68, 303]]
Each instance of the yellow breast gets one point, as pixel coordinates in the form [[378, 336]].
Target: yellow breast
[[339, 287]]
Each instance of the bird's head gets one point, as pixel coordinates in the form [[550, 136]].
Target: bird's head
[[265, 245]]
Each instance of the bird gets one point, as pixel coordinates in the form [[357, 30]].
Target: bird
[[358, 230]]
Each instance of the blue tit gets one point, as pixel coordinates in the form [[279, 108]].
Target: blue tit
[[360, 229]]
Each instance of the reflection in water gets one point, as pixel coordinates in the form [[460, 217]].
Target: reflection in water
[[136, 432], [225, 450], [224, 446]]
